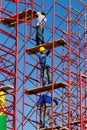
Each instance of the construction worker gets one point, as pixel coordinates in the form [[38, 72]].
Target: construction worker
[[44, 103], [41, 19], [2, 111], [45, 68]]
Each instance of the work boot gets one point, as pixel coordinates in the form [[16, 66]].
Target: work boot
[[42, 126], [50, 82], [44, 83]]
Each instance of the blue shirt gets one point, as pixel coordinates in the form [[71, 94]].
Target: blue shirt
[[43, 58], [46, 99]]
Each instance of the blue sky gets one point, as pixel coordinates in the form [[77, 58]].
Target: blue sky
[[61, 24]]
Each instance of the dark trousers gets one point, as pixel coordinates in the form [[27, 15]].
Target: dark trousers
[[42, 116], [45, 72], [39, 35], [45, 110]]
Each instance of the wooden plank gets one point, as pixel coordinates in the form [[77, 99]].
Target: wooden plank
[[75, 122], [64, 128], [11, 21], [45, 88], [84, 76], [85, 107], [57, 127], [50, 128], [35, 49], [6, 87]]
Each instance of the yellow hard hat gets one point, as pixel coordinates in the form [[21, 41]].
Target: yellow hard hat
[[41, 49]]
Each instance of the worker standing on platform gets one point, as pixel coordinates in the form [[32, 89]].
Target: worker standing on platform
[[45, 104], [45, 68], [41, 19]]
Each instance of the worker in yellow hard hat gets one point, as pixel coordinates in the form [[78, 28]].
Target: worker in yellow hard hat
[[2, 102], [2, 111], [45, 67]]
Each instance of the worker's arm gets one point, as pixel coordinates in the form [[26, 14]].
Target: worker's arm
[[37, 103], [40, 100], [42, 59], [38, 13], [55, 100], [48, 52], [36, 107]]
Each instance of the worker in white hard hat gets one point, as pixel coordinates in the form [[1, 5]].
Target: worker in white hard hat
[[41, 19], [45, 68]]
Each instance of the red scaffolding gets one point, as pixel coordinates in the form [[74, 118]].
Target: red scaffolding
[[66, 36]]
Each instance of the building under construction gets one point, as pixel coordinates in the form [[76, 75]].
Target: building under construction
[[65, 35]]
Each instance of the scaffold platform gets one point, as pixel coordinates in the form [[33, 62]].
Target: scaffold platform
[[6, 87], [22, 17], [35, 49], [45, 88], [57, 127], [75, 122], [83, 106]]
